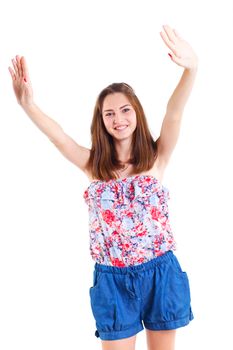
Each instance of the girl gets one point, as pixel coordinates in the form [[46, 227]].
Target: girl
[[137, 280]]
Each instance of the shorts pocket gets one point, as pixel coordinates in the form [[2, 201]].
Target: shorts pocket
[[176, 266], [97, 277], [177, 294], [103, 303]]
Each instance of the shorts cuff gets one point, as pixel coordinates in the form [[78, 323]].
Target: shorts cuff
[[114, 335], [158, 326]]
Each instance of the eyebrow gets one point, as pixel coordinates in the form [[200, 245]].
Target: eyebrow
[[107, 110]]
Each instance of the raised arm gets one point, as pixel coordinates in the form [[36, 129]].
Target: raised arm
[[184, 56], [24, 94]]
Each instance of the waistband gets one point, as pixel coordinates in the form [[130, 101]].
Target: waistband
[[136, 268]]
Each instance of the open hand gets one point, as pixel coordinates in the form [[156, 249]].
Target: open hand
[[182, 53], [20, 80]]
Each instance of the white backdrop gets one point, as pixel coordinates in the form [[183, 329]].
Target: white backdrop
[[74, 49]]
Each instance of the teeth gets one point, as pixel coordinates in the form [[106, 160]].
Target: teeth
[[121, 127]]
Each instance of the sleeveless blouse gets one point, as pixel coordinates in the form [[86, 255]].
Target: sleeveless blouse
[[128, 220]]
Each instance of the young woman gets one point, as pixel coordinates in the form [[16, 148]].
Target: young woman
[[137, 277]]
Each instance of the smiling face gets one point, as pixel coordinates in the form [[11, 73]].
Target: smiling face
[[118, 112]]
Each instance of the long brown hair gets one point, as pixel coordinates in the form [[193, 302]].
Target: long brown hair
[[103, 161]]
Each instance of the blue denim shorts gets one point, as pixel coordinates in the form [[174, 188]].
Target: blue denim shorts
[[156, 293]]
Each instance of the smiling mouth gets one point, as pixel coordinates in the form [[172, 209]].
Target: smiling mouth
[[122, 128]]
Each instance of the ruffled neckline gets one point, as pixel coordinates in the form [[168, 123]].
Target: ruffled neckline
[[128, 179]]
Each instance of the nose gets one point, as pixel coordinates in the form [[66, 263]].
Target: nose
[[117, 118]]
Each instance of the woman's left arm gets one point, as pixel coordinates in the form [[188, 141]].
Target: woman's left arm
[[184, 56]]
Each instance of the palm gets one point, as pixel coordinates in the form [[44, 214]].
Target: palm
[[182, 52], [20, 80]]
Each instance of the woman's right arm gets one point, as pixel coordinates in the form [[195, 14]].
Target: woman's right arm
[[23, 91]]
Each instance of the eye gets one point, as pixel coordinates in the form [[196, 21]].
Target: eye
[[125, 109]]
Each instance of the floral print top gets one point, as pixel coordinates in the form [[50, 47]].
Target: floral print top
[[128, 220]]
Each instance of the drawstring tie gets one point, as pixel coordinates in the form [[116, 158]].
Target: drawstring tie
[[131, 276]]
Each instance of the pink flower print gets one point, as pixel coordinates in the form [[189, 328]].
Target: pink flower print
[[129, 214], [85, 195], [117, 262], [108, 217], [158, 240], [163, 221], [124, 247], [125, 231], [159, 252], [155, 213], [140, 230], [140, 260], [143, 233]]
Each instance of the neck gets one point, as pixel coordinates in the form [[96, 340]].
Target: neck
[[123, 149]]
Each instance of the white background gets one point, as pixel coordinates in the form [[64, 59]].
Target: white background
[[74, 49]]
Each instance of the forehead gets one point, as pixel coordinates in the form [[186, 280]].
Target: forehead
[[115, 101]]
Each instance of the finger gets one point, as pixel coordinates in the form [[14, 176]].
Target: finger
[[169, 44], [177, 34], [19, 66], [12, 73], [171, 36], [24, 68], [15, 67]]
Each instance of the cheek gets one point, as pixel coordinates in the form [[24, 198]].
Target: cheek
[[108, 126], [134, 119], [106, 123]]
